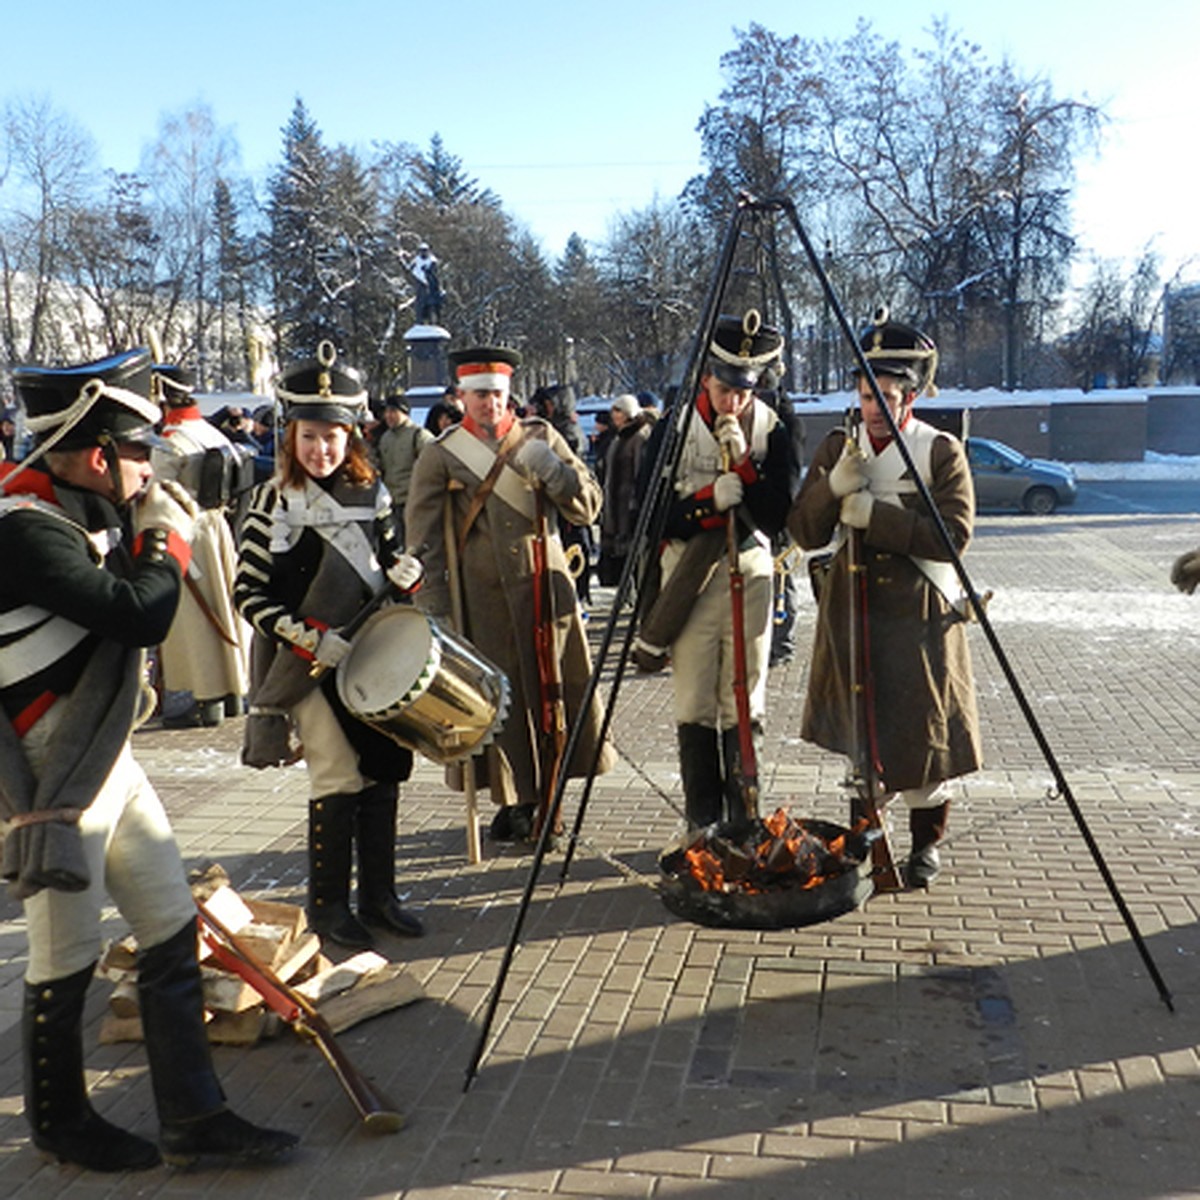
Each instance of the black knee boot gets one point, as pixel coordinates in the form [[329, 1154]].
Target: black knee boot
[[700, 769], [375, 837], [330, 844], [62, 1119], [928, 827], [191, 1105]]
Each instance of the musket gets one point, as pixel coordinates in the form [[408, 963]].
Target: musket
[[553, 723], [229, 952], [458, 618], [865, 774], [747, 772]]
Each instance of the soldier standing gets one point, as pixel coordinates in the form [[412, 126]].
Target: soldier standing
[[102, 551]]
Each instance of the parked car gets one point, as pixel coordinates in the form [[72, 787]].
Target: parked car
[[1006, 478]]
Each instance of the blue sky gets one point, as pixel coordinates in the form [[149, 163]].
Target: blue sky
[[574, 112]]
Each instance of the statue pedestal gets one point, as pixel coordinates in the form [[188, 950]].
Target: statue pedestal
[[428, 373]]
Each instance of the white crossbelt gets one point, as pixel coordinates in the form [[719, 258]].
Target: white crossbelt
[[53, 638], [478, 458]]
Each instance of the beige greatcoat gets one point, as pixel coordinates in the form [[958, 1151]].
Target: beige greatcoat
[[924, 695], [496, 569]]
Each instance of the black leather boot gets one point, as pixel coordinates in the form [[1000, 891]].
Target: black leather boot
[[63, 1122], [330, 843], [375, 837], [191, 1105], [928, 827], [700, 769]]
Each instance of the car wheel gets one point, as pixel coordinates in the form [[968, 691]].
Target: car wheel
[[1041, 501]]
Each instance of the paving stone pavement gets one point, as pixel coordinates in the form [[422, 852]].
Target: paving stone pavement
[[998, 1036]]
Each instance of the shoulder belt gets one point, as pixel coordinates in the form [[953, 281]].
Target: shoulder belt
[[887, 474], [492, 468]]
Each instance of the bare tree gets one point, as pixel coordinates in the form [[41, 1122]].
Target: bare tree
[[50, 177], [182, 168]]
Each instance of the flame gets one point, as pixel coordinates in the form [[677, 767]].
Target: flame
[[779, 851]]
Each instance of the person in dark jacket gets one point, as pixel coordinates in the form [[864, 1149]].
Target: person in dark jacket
[[102, 549], [622, 469]]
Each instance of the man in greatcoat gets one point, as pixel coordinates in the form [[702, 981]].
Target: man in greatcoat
[[205, 657], [921, 726], [97, 550], [475, 495]]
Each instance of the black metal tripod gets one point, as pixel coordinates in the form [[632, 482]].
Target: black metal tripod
[[647, 532]]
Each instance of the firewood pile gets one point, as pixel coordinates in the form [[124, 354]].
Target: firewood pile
[[344, 993]]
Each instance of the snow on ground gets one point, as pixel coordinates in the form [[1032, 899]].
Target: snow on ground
[[1167, 611], [1153, 466]]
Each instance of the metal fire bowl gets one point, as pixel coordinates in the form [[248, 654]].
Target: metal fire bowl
[[775, 908]]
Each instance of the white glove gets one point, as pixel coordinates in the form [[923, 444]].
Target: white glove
[[730, 437], [849, 473], [406, 573], [1185, 574], [331, 649], [727, 491], [856, 509], [535, 457], [165, 505]]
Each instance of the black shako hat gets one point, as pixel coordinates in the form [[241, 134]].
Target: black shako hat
[[893, 348], [484, 368], [742, 348], [321, 390], [173, 384], [94, 404]]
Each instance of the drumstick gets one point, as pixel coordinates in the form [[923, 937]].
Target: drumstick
[[355, 623], [474, 849]]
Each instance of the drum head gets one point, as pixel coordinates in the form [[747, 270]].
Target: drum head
[[391, 661]]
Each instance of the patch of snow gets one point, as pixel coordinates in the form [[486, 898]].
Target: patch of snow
[[1144, 612], [1152, 466]]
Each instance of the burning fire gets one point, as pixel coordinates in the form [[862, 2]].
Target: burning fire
[[778, 851]]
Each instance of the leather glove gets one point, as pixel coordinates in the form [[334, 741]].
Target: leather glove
[[535, 458], [165, 505], [856, 509], [1185, 574], [729, 435], [406, 573], [849, 473], [727, 491], [331, 649]]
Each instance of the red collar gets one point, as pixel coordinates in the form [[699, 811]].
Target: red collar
[[881, 444], [16, 480], [502, 427], [176, 416]]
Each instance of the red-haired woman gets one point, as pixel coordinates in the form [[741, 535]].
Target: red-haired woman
[[317, 543]]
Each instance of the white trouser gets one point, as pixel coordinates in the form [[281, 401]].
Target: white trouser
[[932, 795], [131, 855], [331, 761], [702, 655]]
